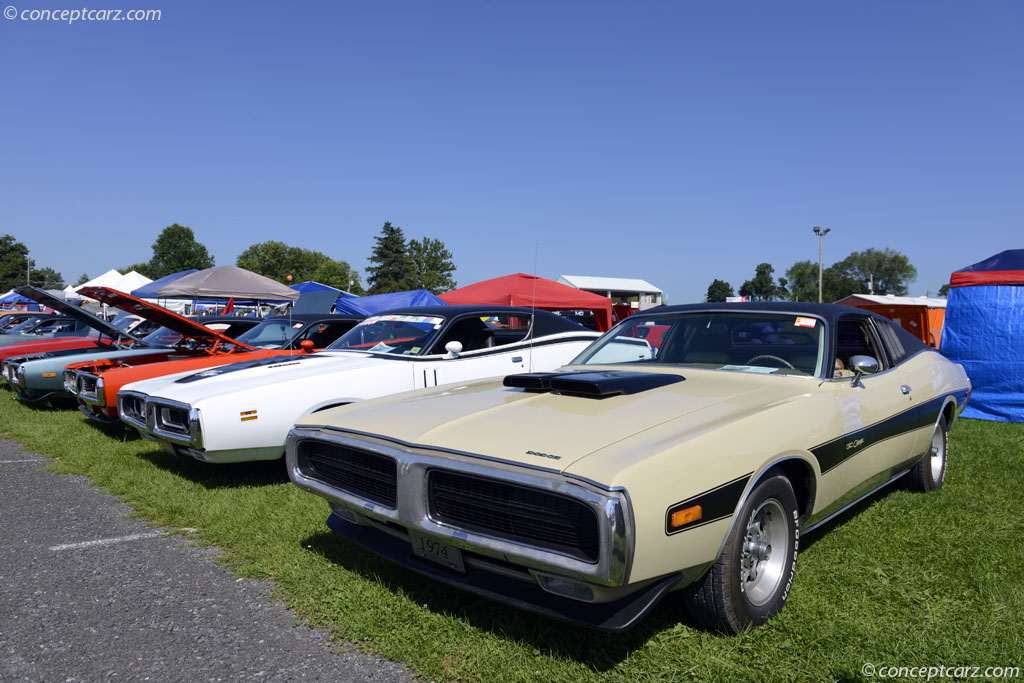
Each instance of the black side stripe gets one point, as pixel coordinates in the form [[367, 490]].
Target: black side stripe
[[834, 453], [716, 504]]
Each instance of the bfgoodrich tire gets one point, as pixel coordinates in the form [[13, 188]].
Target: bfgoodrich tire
[[750, 581], [929, 473]]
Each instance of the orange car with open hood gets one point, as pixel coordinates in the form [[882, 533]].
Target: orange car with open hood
[[96, 382]]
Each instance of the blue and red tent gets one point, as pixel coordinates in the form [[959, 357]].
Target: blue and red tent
[[984, 331]]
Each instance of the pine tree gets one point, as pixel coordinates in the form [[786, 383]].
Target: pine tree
[[392, 269]]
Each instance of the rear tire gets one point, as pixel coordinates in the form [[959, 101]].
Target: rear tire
[[929, 473], [751, 580]]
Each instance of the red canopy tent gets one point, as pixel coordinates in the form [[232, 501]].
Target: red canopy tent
[[535, 292]]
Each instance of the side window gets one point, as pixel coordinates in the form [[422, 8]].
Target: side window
[[324, 332], [891, 341], [478, 332], [856, 337]]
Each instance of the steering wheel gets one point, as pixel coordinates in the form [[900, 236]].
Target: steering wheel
[[770, 357]]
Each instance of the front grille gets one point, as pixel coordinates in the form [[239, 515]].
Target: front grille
[[133, 407], [361, 473], [516, 513], [169, 419], [71, 381], [86, 385]]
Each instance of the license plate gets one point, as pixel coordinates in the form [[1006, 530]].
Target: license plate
[[437, 551]]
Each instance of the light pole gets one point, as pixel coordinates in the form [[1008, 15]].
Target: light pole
[[821, 245]]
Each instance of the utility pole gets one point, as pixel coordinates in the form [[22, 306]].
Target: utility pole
[[28, 270], [821, 246]]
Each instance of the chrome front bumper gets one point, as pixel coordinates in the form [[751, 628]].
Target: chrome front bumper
[[412, 512]]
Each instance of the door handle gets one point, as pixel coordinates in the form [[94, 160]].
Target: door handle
[[905, 389], [517, 359]]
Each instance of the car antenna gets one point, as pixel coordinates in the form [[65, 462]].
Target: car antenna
[[533, 304]]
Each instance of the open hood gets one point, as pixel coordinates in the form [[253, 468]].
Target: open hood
[[158, 314], [71, 310]]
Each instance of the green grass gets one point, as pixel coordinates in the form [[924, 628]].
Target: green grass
[[902, 580]]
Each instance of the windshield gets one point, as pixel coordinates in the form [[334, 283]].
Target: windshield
[[162, 337], [760, 343], [24, 325], [401, 334], [271, 334]]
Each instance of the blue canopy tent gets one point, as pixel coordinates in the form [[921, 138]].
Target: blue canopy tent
[[375, 303], [15, 299], [984, 331]]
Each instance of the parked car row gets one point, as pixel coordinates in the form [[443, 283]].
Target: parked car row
[[517, 455]]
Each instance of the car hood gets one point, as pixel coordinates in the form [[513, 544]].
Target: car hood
[[551, 430], [257, 372]]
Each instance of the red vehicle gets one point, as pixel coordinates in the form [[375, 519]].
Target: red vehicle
[[96, 382]]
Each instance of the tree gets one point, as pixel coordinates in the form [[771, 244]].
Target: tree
[[878, 272], [83, 278], [803, 278], [13, 259], [140, 268], [432, 265], [763, 286], [393, 269], [46, 278], [944, 290], [175, 250], [718, 290], [278, 260]]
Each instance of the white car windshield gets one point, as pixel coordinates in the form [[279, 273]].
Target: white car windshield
[[762, 343], [399, 334]]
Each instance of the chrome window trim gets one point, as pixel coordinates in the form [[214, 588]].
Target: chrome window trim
[[612, 508]]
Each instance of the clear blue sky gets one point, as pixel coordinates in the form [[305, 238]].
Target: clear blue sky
[[672, 141]]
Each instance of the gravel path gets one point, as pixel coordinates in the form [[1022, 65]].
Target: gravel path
[[87, 594]]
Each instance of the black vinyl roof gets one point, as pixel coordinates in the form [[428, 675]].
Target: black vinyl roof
[[830, 313]]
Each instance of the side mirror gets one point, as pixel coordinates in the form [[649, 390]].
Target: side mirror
[[862, 365], [454, 348], [306, 345]]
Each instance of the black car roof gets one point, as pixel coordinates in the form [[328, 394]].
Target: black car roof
[[830, 313], [313, 317], [545, 322]]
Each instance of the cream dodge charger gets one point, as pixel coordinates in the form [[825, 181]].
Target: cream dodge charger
[[686, 449]]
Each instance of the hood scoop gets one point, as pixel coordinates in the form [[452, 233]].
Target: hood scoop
[[594, 384]]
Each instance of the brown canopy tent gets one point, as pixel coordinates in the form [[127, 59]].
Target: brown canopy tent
[[534, 292], [228, 281]]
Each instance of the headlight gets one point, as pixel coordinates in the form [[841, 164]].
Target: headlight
[[69, 381]]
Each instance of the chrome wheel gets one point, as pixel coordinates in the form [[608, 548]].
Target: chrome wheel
[[937, 459], [764, 553]]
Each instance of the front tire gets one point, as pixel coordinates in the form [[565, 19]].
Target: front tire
[[929, 473], [751, 580]]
